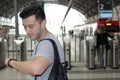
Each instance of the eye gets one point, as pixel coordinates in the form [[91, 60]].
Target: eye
[[31, 26]]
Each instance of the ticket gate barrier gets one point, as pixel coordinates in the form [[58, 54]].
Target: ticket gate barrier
[[67, 49], [2, 52], [20, 49], [90, 54], [114, 57]]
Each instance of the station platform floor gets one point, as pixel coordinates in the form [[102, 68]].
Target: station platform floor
[[78, 72]]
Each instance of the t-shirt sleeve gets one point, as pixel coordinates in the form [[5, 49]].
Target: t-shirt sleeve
[[45, 49]]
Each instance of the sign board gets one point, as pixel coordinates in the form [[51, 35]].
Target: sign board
[[105, 4], [104, 14], [105, 9], [38, 3], [110, 26]]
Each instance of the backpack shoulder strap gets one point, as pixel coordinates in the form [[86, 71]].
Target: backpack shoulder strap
[[56, 53]]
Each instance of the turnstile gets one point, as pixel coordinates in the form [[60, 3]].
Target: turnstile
[[90, 54], [21, 49], [2, 52], [68, 54], [114, 56]]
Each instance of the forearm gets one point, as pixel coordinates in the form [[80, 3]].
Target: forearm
[[35, 66], [24, 67]]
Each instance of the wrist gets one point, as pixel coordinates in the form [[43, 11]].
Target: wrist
[[9, 62]]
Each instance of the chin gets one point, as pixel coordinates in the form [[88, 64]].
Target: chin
[[32, 39]]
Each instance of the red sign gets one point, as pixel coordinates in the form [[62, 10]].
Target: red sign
[[112, 25]]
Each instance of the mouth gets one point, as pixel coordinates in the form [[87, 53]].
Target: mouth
[[29, 35]]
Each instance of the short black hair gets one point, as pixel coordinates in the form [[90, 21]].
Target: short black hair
[[33, 10]]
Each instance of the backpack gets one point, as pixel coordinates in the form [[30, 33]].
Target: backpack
[[59, 70]]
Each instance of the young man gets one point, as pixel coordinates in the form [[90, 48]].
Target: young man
[[34, 22]]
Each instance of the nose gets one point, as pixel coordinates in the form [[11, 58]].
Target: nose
[[27, 30]]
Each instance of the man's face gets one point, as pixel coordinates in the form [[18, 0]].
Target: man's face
[[33, 27]]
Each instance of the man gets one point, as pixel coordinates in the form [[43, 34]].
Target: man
[[34, 22]]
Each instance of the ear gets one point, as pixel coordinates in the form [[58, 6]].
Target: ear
[[43, 23]]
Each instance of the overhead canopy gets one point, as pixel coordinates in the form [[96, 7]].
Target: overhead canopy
[[86, 7]]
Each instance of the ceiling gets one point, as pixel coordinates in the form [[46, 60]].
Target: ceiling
[[86, 7]]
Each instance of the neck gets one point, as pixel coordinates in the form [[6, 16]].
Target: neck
[[43, 35]]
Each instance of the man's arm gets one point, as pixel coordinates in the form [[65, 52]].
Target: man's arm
[[35, 66]]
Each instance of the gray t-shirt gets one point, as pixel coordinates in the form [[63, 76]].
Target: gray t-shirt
[[45, 49]]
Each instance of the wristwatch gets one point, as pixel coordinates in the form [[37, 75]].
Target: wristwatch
[[8, 64]]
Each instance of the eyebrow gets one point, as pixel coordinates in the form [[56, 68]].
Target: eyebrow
[[30, 25]]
